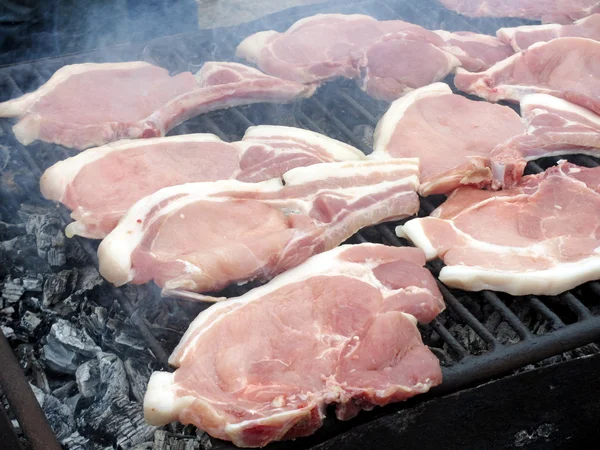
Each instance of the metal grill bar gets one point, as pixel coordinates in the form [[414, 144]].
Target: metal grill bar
[[466, 368], [507, 315], [576, 306], [546, 312]]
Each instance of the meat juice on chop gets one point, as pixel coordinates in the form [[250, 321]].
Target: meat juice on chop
[[541, 237], [568, 68], [554, 127], [201, 237], [129, 170], [338, 329], [86, 105], [452, 136], [521, 38]]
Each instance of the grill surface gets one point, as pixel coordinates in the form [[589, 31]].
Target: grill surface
[[342, 111]]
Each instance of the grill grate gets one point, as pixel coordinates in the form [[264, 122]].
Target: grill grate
[[342, 111]]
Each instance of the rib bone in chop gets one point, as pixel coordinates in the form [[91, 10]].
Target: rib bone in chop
[[554, 127], [541, 237], [568, 68], [203, 236], [453, 149], [86, 105], [127, 171], [339, 329]]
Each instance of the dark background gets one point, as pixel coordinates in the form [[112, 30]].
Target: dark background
[[33, 29]]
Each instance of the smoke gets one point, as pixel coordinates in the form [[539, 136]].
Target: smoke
[[35, 29]]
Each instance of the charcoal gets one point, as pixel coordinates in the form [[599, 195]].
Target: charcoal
[[123, 417], [103, 377], [65, 390], [60, 416], [468, 338], [138, 373], [506, 334], [67, 347], [13, 289], [8, 332], [59, 286], [161, 440], [26, 355], [30, 321], [10, 230], [131, 338], [204, 439], [7, 311], [46, 226], [88, 278], [33, 283], [22, 250], [143, 446], [76, 442], [40, 378]]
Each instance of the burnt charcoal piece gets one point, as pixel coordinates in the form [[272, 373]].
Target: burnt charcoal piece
[[8, 332], [10, 230], [13, 290], [138, 373], [163, 440], [33, 283], [59, 286], [30, 321], [104, 381], [46, 226], [67, 347], [59, 415], [76, 442]]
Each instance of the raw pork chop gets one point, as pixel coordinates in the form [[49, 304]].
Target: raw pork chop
[[203, 236], [567, 67], [521, 38], [559, 11], [401, 62], [388, 57], [476, 52], [453, 149], [554, 127], [339, 329], [319, 47], [126, 171], [84, 105], [541, 237]]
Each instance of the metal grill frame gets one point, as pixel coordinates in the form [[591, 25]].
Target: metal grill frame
[[468, 369]]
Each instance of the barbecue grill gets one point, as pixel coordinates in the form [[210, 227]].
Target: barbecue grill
[[480, 337]]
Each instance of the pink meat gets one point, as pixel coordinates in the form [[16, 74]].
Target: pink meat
[[339, 329], [568, 68], [201, 237], [521, 38], [84, 105], [476, 52], [401, 62], [129, 170], [453, 149], [317, 48], [554, 127], [558, 11], [541, 237]]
